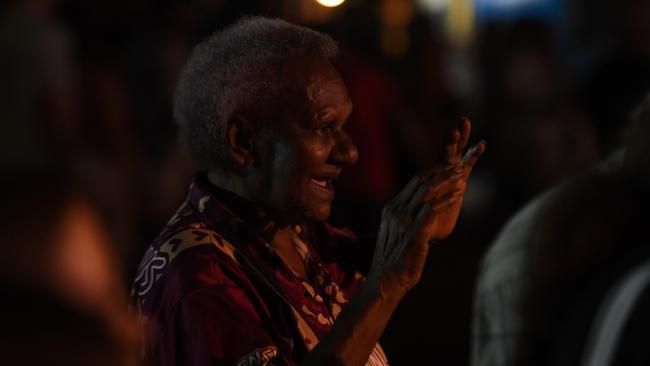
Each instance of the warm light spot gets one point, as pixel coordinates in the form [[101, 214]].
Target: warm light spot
[[460, 22], [307, 12], [396, 13], [330, 3], [85, 269]]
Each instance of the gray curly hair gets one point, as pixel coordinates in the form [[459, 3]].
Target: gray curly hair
[[238, 70]]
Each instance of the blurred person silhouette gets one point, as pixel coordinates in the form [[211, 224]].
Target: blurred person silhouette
[[620, 79], [532, 110], [56, 251], [38, 106], [248, 271], [543, 278], [56, 247]]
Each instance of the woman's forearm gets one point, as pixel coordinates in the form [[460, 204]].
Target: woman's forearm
[[359, 326]]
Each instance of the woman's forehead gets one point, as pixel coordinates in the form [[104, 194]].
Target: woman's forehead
[[315, 85], [325, 86]]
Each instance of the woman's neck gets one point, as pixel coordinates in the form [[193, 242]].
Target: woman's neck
[[284, 227], [284, 243], [241, 187]]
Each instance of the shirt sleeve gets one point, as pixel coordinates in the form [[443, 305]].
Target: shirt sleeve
[[216, 325]]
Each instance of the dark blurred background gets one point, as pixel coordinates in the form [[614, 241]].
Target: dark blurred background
[[85, 106]]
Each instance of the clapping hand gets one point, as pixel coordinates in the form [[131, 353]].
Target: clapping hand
[[425, 211]]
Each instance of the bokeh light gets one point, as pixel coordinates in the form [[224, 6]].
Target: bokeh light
[[460, 22], [330, 3], [433, 6], [395, 13]]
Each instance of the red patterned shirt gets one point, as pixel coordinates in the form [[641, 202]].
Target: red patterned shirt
[[210, 290]]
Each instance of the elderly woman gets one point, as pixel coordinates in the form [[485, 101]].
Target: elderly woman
[[247, 272]]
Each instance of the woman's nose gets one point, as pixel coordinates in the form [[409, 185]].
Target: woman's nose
[[345, 152]]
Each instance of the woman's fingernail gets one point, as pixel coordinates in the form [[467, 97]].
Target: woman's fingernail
[[469, 153]]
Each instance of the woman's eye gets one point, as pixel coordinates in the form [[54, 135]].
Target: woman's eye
[[324, 129]]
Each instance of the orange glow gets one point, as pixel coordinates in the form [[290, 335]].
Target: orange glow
[[396, 13]]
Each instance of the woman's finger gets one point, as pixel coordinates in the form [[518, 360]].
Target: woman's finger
[[380, 248], [428, 212], [440, 169], [451, 150], [445, 181], [440, 185], [443, 189], [450, 171], [438, 203], [472, 155], [406, 211], [465, 132], [423, 212]]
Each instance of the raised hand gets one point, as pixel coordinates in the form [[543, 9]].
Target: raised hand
[[425, 211]]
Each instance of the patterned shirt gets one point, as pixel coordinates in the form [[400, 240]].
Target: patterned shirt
[[210, 290]]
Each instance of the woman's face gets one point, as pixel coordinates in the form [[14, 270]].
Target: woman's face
[[308, 145]]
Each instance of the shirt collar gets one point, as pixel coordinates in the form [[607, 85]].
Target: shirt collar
[[217, 205]]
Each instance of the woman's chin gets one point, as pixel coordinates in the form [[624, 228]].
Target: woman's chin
[[320, 213]]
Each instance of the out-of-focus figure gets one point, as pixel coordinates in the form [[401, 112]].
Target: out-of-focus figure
[[542, 138], [619, 80], [544, 277], [57, 254], [64, 302]]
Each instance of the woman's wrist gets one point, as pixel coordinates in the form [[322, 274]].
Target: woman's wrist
[[388, 285]]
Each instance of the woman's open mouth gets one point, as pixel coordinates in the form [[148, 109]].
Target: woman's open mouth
[[323, 183]]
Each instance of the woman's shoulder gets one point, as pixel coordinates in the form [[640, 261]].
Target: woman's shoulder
[[185, 260]]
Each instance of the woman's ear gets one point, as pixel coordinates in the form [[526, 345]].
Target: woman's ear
[[240, 137]]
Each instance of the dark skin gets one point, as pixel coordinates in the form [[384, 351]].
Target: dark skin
[[290, 169]]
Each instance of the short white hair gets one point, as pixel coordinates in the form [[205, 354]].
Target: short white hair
[[239, 70]]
